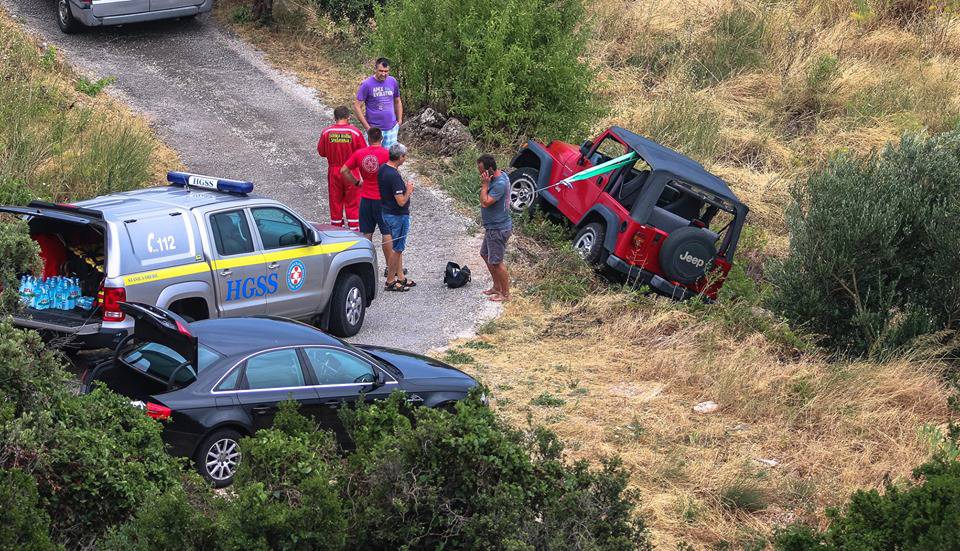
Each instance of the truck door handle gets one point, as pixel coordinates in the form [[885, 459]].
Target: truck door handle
[[226, 272], [273, 265], [262, 410]]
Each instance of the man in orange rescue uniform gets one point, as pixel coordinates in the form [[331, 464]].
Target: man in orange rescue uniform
[[337, 142]]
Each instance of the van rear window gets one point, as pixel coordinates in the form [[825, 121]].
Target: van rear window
[[159, 361]]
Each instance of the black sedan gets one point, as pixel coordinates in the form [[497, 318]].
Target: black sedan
[[215, 381]]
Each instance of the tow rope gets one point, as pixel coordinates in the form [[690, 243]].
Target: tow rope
[[601, 168]]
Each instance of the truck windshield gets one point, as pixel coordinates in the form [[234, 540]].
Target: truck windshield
[[159, 362]]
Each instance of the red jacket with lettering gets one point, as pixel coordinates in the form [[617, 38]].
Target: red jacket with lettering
[[338, 141]]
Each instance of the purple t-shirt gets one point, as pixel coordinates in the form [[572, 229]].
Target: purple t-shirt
[[378, 96]]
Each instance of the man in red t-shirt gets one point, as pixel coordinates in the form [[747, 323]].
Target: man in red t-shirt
[[337, 142], [368, 161]]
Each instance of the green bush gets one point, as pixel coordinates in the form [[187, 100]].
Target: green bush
[[354, 11], [872, 262], [19, 254], [23, 525], [287, 489], [507, 67], [467, 481], [923, 515], [182, 519]]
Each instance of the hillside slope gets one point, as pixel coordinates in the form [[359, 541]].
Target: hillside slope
[[761, 93]]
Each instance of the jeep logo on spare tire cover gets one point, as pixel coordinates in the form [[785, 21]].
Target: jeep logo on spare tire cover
[[687, 254]]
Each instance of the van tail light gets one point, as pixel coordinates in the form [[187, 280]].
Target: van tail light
[[110, 300], [158, 412]]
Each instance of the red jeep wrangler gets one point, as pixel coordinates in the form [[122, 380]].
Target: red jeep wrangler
[[662, 220]]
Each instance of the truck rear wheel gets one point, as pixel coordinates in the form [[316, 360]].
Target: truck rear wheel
[[589, 244], [65, 20], [348, 306]]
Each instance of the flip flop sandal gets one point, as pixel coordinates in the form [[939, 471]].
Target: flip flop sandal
[[397, 287], [408, 283]]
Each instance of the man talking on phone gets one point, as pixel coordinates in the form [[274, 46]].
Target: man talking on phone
[[495, 213]]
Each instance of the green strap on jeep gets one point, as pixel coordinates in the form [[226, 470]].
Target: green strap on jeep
[[601, 168]]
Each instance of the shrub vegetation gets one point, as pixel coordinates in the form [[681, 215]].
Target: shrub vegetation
[[872, 261], [507, 67]]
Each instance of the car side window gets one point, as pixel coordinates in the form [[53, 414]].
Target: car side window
[[334, 367], [607, 149], [278, 228], [230, 382], [276, 369], [231, 233]]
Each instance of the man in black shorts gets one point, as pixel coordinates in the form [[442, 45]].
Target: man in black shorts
[[368, 160]]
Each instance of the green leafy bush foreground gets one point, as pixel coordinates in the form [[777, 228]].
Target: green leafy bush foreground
[[508, 67], [90, 470], [427, 479], [873, 258]]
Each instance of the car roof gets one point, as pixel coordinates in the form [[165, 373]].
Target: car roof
[[129, 203], [241, 336], [660, 157]]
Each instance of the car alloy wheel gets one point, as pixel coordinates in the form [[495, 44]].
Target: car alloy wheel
[[222, 459], [63, 12], [523, 189], [584, 244], [354, 306]]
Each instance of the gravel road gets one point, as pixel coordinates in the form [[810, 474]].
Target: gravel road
[[227, 112]]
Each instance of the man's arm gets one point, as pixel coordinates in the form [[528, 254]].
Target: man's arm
[[398, 109], [485, 198], [358, 109], [403, 196], [345, 171]]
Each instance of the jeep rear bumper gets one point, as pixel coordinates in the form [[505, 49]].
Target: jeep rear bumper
[[636, 275]]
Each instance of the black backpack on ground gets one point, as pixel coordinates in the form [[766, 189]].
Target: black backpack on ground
[[455, 276]]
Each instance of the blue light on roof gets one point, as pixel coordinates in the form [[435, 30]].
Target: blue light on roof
[[207, 182]]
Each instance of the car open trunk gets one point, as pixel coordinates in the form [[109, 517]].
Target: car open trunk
[[72, 244]]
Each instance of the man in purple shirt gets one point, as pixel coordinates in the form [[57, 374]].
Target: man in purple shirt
[[380, 95]]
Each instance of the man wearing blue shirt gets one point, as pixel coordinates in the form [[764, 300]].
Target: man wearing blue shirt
[[495, 213]]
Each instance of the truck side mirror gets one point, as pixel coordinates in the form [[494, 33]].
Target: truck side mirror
[[585, 148], [314, 237]]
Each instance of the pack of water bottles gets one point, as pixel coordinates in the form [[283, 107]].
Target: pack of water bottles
[[53, 293]]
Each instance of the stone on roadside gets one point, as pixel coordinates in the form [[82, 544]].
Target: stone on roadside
[[455, 138]]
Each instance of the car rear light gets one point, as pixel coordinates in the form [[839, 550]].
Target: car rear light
[[158, 412], [183, 329], [110, 300]]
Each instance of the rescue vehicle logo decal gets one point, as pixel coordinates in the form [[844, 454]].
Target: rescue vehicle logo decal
[[296, 275]]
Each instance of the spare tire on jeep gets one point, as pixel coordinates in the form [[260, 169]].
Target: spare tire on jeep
[[687, 254]]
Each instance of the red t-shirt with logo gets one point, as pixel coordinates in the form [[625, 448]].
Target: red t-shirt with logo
[[368, 161], [337, 142]]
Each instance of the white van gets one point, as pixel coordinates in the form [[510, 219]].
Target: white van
[[72, 14]]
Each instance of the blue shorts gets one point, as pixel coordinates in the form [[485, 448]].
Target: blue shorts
[[390, 136], [371, 217], [399, 225]]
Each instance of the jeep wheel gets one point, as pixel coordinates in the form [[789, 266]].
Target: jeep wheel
[[687, 254], [523, 190], [65, 20], [348, 306], [589, 244]]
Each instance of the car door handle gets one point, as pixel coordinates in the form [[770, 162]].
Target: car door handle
[[262, 410], [273, 265], [226, 272]]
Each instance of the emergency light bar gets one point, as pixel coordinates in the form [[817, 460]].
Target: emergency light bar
[[207, 182]]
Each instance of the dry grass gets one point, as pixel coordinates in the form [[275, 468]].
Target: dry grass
[[629, 373], [59, 143]]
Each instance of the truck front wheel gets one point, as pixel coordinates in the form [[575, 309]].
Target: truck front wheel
[[347, 306]]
